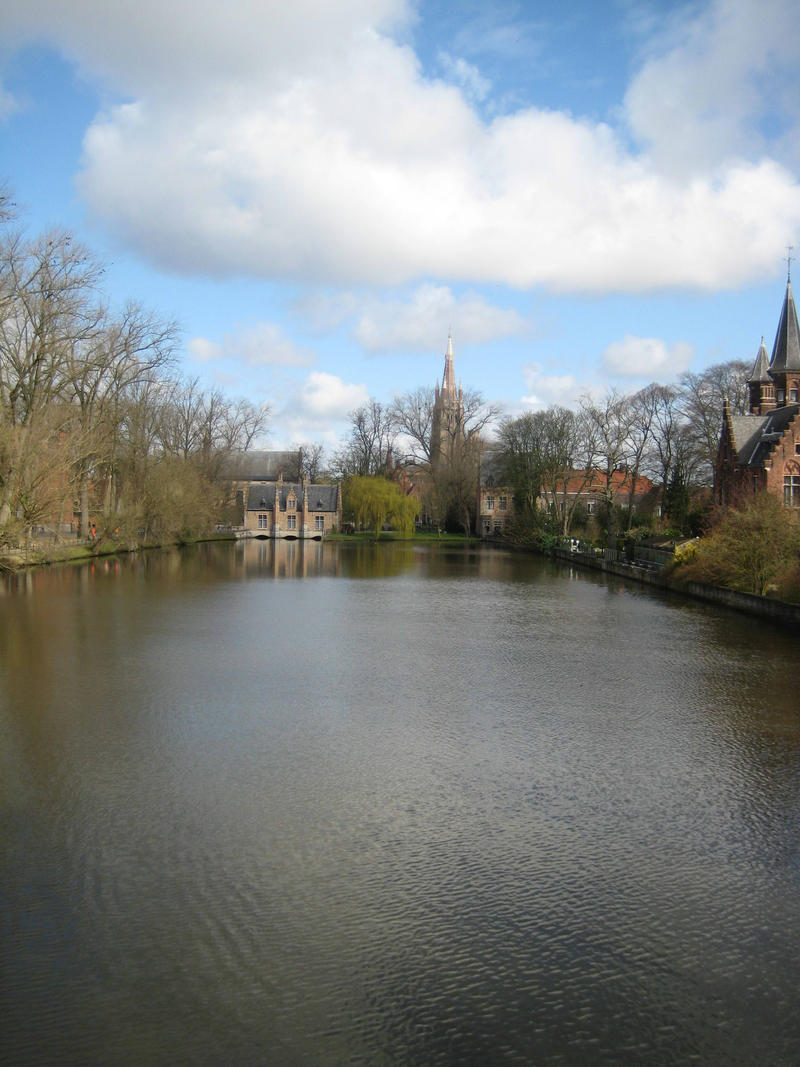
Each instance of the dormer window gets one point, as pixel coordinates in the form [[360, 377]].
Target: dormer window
[[291, 503]]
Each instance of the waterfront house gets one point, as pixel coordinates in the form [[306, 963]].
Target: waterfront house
[[292, 509]]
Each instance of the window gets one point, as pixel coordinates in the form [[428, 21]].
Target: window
[[797, 448], [498, 526], [263, 522], [291, 522], [792, 396], [490, 503], [781, 396], [319, 522], [503, 503], [291, 503], [591, 507], [791, 490]]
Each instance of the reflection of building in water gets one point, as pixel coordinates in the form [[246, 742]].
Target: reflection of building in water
[[289, 559], [292, 509]]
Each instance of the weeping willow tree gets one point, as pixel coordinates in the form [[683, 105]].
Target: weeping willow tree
[[375, 501]]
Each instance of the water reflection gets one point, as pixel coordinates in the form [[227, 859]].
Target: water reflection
[[450, 807]]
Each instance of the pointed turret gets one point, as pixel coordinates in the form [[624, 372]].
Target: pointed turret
[[760, 372], [786, 350], [784, 366], [760, 384]]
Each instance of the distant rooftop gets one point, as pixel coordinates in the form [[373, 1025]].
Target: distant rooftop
[[262, 466]]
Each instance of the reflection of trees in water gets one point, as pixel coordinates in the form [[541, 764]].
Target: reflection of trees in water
[[370, 560]]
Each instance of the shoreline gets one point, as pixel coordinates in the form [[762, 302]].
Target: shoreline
[[778, 611], [747, 603]]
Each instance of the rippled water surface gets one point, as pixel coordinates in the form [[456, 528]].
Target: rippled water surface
[[321, 804]]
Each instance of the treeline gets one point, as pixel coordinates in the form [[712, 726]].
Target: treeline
[[667, 434], [396, 441], [93, 417]]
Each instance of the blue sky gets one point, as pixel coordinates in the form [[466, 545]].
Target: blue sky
[[589, 195]]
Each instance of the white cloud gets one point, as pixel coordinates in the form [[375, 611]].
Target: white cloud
[[545, 389], [647, 357], [8, 103], [317, 410], [412, 322], [203, 350], [262, 345], [326, 397], [700, 98], [300, 141], [181, 48], [430, 311], [327, 311], [465, 74]]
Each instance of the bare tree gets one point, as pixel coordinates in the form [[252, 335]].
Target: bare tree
[[244, 422], [702, 396], [121, 353], [412, 417], [371, 439], [609, 423], [48, 307], [311, 460]]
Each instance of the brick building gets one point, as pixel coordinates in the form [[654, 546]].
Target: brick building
[[761, 450], [292, 509], [495, 500]]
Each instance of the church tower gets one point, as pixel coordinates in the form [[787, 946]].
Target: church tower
[[448, 411], [784, 366]]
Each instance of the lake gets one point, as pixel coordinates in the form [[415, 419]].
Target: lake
[[305, 803]]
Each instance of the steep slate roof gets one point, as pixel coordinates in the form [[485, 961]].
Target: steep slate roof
[[755, 435], [760, 371], [320, 497], [261, 466], [786, 350]]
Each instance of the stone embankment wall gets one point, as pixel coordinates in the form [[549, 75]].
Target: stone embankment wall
[[776, 610]]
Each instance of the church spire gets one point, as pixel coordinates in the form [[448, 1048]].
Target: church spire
[[786, 350], [447, 422], [449, 377]]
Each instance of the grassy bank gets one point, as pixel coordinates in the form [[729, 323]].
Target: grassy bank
[[37, 555]]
